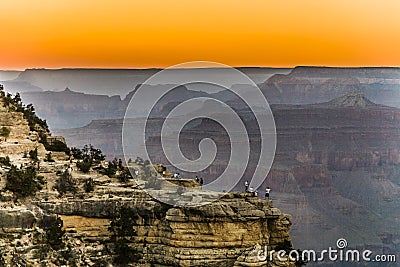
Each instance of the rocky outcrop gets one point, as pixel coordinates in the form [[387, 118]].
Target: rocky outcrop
[[212, 235], [353, 99], [20, 140], [216, 234], [18, 217]]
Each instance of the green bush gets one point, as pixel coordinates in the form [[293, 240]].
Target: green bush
[[33, 154], [66, 184], [49, 157], [23, 183], [76, 153], [122, 231], [2, 260], [89, 185], [124, 175], [40, 179], [139, 161], [55, 233], [111, 170], [84, 165], [88, 156], [94, 155], [5, 132], [5, 161], [56, 146]]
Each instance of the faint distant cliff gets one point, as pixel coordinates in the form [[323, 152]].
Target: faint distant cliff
[[105, 81], [67, 109], [107, 92], [308, 85]]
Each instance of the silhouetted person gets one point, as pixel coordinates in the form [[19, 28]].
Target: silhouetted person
[[197, 179], [246, 186], [120, 164], [267, 190], [201, 181]]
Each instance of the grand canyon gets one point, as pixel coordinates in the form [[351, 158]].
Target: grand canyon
[[336, 168]]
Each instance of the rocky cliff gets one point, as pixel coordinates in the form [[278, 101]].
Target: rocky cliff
[[216, 234], [344, 151], [20, 139], [309, 85], [212, 235]]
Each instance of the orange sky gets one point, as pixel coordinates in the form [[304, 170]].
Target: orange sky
[[159, 33]]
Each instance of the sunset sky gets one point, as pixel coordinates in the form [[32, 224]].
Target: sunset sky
[[160, 33]]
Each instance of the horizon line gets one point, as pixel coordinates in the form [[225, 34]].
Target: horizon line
[[236, 67]]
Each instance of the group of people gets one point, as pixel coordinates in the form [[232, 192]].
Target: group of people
[[255, 192], [200, 180], [117, 163]]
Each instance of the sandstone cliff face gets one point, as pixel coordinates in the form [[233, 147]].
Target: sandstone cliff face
[[21, 140], [216, 234], [212, 235]]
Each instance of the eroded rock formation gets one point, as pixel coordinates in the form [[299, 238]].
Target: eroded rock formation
[[216, 234]]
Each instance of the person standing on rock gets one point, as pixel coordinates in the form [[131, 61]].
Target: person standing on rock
[[267, 190], [246, 186], [69, 170], [201, 182], [251, 190], [197, 179]]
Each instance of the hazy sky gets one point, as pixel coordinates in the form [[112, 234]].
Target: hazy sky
[[159, 33]]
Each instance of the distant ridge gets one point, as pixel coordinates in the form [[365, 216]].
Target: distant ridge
[[355, 98], [368, 72]]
